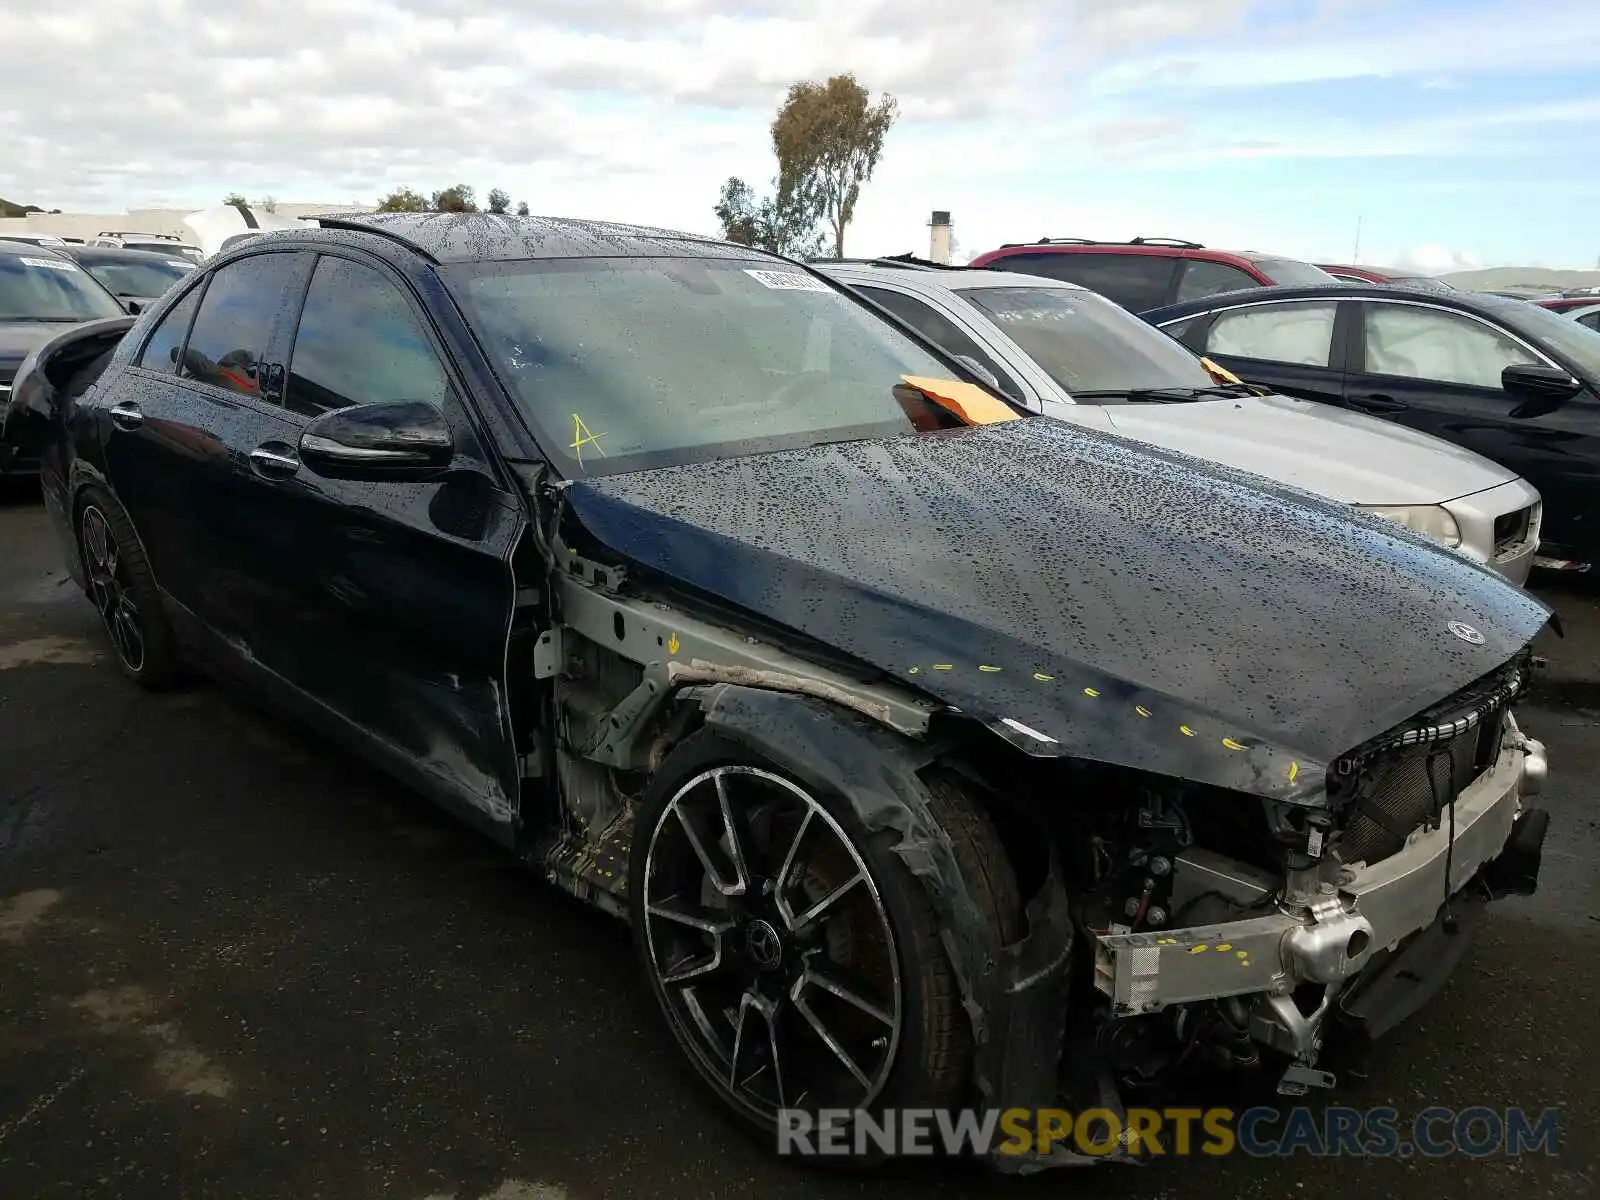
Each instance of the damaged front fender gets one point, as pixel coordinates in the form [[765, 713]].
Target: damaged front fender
[[1015, 996]]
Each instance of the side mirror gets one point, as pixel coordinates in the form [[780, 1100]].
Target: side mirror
[[378, 441], [1540, 389], [132, 305]]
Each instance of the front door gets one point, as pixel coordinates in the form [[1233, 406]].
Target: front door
[[1291, 346], [386, 605], [1438, 370]]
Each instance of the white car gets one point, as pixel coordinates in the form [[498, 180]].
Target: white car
[[1065, 351]]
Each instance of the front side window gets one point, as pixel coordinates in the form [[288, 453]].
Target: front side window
[[942, 332], [234, 325], [1135, 281], [359, 343], [1202, 277], [1086, 343], [624, 364], [44, 287], [1301, 333], [1425, 343], [165, 348]]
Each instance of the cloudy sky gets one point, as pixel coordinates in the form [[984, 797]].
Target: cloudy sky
[[1458, 132]]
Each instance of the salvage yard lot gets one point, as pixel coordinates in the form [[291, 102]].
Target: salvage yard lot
[[236, 962]]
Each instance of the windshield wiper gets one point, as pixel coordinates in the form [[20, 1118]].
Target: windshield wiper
[[1166, 395]]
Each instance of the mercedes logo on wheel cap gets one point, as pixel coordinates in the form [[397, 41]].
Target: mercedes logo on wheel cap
[[1466, 632], [761, 940]]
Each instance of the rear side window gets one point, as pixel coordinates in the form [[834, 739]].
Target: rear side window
[[359, 343], [944, 333], [1202, 277], [1287, 333], [1135, 281], [235, 322], [162, 351]]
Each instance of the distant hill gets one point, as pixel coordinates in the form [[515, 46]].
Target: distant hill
[[9, 209], [1530, 279]]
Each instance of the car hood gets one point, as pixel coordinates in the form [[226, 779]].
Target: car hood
[[19, 337], [1343, 455], [1084, 595]]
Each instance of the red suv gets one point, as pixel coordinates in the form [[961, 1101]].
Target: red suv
[[1149, 272]]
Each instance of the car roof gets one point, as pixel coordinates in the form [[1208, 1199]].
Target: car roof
[[954, 279], [491, 237], [1469, 301], [116, 254], [29, 249]]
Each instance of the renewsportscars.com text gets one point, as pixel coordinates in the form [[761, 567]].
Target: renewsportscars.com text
[[1262, 1132]]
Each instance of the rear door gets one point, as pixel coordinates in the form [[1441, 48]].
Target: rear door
[[385, 604], [1438, 370], [177, 427], [1296, 347], [1138, 282]]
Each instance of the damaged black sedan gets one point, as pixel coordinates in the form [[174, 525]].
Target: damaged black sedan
[[938, 756]]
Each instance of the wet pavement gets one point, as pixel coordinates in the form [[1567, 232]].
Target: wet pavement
[[236, 962]]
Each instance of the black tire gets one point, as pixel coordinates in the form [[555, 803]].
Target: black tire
[[931, 1052], [123, 591]]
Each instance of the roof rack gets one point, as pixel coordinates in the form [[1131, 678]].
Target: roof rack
[[1175, 243], [161, 237], [907, 261]]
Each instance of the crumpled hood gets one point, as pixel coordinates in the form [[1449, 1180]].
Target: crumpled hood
[[1082, 594], [1343, 455], [19, 337]]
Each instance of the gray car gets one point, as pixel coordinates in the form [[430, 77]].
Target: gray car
[[1063, 350]]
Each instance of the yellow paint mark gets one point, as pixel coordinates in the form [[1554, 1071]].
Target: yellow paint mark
[[1166, 941], [1198, 949], [582, 436], [915, 671], [672, 644], [986, 667], [1185, 730], [1091, 692], [1042, 677], [943, 667], [1294, 770], [1233, 745], [1241, 954], [1141, 710], [1224, 946]]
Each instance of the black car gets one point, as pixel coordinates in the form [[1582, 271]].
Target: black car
[[897, 723], [1508, 379], [40, 291], [135, 277]]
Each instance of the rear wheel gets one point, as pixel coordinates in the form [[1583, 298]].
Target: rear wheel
[[796, 959], [123, 592]]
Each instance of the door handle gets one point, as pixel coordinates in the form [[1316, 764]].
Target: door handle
[[126, 415], [274, 460], [1377, 402]]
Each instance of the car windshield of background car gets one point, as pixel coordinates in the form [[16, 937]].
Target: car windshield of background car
[[631, 363], [1290, 272], [1558, 332], [1088, 344], [50, 289]]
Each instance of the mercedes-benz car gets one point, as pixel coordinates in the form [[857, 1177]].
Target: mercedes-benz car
[[1061, 349], [938, 755]]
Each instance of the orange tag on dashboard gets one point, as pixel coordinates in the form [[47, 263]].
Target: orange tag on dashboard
[[965, 400], [1219, 372]]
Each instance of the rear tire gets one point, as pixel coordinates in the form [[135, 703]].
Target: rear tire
[[124, 593], [801, 965]]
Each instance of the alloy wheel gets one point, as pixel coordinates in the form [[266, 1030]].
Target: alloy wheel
[[109, 588], [770, 944]]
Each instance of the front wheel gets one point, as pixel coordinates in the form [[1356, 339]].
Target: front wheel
[[796, 959], [123, 591]]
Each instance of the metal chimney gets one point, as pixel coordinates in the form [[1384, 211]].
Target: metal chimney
[[939, 236]]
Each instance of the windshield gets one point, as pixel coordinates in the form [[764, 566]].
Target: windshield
[[623, 364], [1558, 332], [1086, 343], [1290, 272], [50, 289], [133, 277]]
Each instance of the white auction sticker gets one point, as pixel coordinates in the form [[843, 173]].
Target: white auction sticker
[[55, 264], [788, 281], [178, 262]]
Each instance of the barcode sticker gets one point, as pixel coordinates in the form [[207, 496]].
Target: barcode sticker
[[788, 281], [55, 264]]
